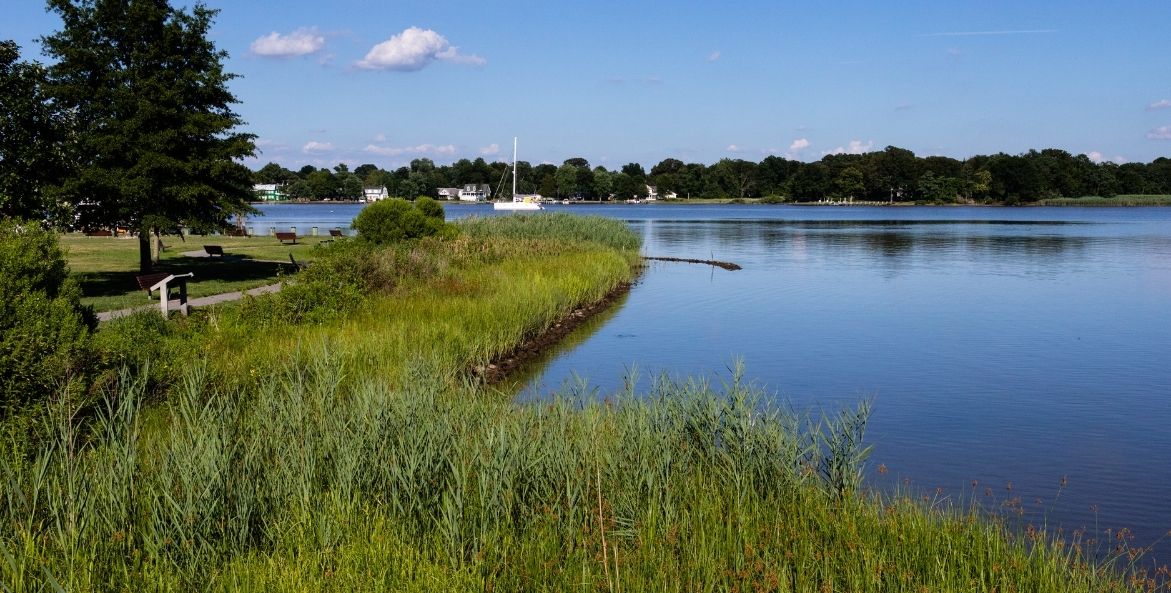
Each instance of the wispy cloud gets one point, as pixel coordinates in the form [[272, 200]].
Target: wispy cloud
[[444, 149], [491, 149], [714, 56], [796, 147], [314, 146], [854, 147], [1160, 133], [989, 33], [904, 106], [733, 148], [1160, 104], [413, 50], [302, 42]]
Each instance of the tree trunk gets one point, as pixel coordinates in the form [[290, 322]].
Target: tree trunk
[[158, 253], [144, 259]]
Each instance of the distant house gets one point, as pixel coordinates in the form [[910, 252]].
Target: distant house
[[475, 192], [374, 194], [449, 193], [652, 193], [269, 192], [670, 196]]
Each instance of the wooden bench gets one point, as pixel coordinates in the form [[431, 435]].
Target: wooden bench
[[335, 232], [213, 250], [163, 282], [286, 236], [145, 282]]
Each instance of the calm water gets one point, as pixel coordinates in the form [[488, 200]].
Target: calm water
[[999, 345]]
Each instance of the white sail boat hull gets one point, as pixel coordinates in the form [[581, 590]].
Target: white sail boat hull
[[516, 206], [518, 203]]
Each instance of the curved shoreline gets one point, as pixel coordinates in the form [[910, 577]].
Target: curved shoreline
[[501, 367]]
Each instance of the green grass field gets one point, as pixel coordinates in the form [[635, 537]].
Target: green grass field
[[105, 267]]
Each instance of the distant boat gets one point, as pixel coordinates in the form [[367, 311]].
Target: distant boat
[[519, 202]]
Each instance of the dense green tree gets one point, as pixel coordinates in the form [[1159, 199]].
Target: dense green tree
[[322, 184], [32, 133], [577, 162], [273, 173], [603, 184], [155, 138], [636, 171], [848, 183], [365, 170], [736, 176]]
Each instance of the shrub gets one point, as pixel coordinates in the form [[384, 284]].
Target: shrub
[[44, 330], [391, 221], [430, 208]]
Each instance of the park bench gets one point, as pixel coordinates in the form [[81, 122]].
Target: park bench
[[213, 250], [162, 282], [335, 232], [286, 236]]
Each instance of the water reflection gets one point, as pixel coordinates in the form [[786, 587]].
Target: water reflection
[[997, 350]]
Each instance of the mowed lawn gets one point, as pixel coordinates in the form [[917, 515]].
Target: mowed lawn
[[106, 266]]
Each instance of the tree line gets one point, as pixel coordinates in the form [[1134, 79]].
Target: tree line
[[890, 175]]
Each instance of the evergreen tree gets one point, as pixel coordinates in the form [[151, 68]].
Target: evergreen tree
[[31, 129], [155, 139]]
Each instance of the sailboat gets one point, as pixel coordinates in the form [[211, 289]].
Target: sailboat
[[518, 202]]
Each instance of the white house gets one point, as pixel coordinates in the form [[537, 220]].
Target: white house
[[475, 192], [448, 193], [269, 192], [652, 193], [374, 194]]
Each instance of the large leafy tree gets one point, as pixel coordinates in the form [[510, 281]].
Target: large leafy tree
[[31, 131], [156, 140]]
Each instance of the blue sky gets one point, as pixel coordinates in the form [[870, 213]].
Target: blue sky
[[618, 82]]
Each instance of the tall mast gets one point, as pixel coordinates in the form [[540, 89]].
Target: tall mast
[[514, 167]]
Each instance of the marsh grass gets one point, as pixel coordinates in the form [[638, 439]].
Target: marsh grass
[[351, 452], [1119, 200]]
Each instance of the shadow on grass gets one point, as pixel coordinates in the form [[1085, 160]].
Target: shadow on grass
[[230, 269]]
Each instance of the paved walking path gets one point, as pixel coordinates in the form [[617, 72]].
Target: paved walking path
[[199, 302]]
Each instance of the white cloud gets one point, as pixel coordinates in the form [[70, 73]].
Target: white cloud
[[380, 137], [445, 149], [490, 150], [715, 55], [854, 147], [1160, 104], [302, 42], [414, 49], [1098, 157], [732, 148], [1160, 133], [796, 147], [314, 146]]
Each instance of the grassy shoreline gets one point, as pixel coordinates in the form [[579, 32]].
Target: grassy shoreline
[[329, 439]]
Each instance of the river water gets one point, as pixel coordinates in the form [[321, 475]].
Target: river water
[[1010, 348]]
